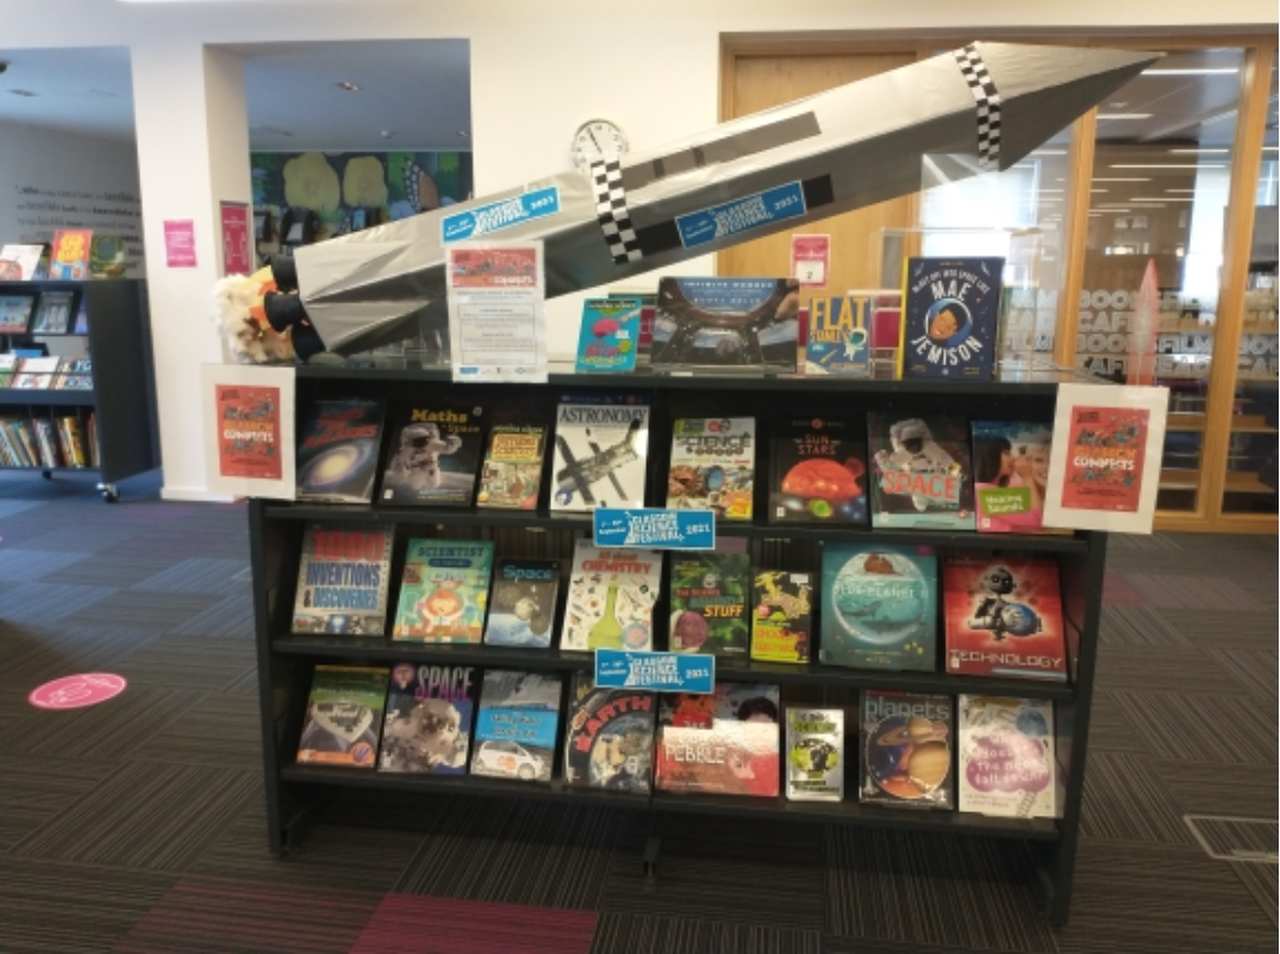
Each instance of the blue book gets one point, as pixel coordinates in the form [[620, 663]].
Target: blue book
[[838, 342], [949, 321], [516, 726], [610, 335]]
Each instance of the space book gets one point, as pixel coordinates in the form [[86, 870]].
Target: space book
[[444, 591], [838, 342], [522, 607], [344, 716], [611, 598], [723, 743], [781, 616], [609, 739], [907, 740], [343, 577], [951, 308], [433, 456], [428, 725], [1010, 474], [610, 337], [726, 324], [1006, 757], [879, 607], [713, 463], [709, 593], [512, 471], [338, 444], [921, 475], [817, 470], [516, 726], [601, 451], [815, 755]]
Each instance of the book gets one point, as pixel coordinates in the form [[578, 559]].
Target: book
[[343, 577], [906, 749], [512, 471], [610, 337], [723, 743], [8, 365], [69, 259], [516, 725], [429, 714], [648, 299], [53, 313], [522, 609], [719, 323], [443, 591], [709, 594], [338, 446], [36, 374], [344, 716], [817, 468], [91, 435], [434, 456], [18, 263], [1010, 475], [879, 607], [15, 313], [76, 374], [815, 755], [70, 442], [601, 446], [838, 342], [610, 599], [11, 450], [781, 616], [1003, 617], [46, 441], [713, 464], [24, 437], [1005, 757], [950, 312], [921, 472], [609, 739]]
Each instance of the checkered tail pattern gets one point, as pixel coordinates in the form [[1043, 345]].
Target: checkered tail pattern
[[611, 211], [974, 69]]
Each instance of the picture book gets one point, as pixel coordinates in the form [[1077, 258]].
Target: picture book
[[15, 313], [444, 591], [338, 450], [69, 259], [343, 579], [709, 594], [609, 340], [1010, 475], [512, 472], [609, 739], [344, 716], [838, 342], [433, 457], [516, 726], [610, 599], [1003, 617], [522, 609], [951, 308], [726, 323], [906, 749], [8, 365], [1005, 757], [815, 755], [53, 313], [713, 464], [724, 743], [601, 446], [36, 374], [19, 263], [781, 616], [879, 607], [921, 472], [817, 473], [429, 713]]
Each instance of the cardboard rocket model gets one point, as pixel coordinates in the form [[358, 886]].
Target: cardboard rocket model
[[848, 147]]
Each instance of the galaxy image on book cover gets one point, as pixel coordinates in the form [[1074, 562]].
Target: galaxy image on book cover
[[338, 450]]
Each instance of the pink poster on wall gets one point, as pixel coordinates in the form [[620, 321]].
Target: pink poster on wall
[[237, 255], [180, 243]]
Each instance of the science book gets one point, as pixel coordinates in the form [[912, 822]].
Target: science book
[[1006, 757], [516, 726], [338, 444], [429, 713], [610, 599], [719, 323], [723, 743], [609, 739], [906, 750], [1010, 474], [343, 577], [838, 342], [921, 472], [709, 594], [815, 755], [818, 473], [950, 312], [713, 464], [434, 456], [344, 716], [512, 472], [781, 616], [522, 610], [610, 337], [879, 607], [444, 591], [601, 446]]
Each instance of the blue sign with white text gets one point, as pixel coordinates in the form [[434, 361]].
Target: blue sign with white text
[[656, 672], [503, 214], [741, 215], [654, 528]]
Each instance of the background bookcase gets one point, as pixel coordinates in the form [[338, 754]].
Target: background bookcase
[[118, 341], [285, 661]]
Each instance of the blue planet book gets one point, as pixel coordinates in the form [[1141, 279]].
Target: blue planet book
[[921, 472], [522, 611], [610, 335], [951, 308], [879, 607], [338, 446], [444, 591], [516, 726], [837, 342]]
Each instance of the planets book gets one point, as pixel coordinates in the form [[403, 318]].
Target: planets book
[[338, 445], [1005, 757], [429, 714], [709, 594], [713, 462], [609, 739], [921, 475], [724, 743], [611, 598], [951, 308], [818, 473], [1004, 617], [522, 610], [907, 740], [344, 716], [512, 472], [1010, 475], [601, 449], [444, 591], [516, 725], [879, 607], [433, 457], [815, 755], [343, 577], [726, 323], [781, 616]]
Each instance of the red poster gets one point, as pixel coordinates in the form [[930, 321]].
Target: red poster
[[493, 267], [810, 258], [1105, 451], [237, 253], [248, 431], [180, 243]]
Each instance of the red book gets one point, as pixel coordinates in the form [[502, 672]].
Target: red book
[[1004, 617]]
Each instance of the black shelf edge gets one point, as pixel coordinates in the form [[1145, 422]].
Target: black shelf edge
[[23, 397], [52, 470]]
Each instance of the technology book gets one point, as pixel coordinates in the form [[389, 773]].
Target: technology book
[[725, 743], [726, 323], [906, 750], [1005, 757], [343, 579], [921, 472], [879, 607], [713, 464], [512, 472], [429, 712], [781, 616], [434, 455], [610, 337], [815, 755], [601, 447], [817, 473], [609, 740], [611, 597], [344, 716], [709, 594], [444, 591], [522, 610], [951, 308], [516, 726], [338, 450]]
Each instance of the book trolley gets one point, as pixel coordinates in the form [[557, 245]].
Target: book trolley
[[285, 661]]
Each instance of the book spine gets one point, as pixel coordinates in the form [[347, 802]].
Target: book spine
[[91, 429], [902, 320], [77, 442], [28, 443], [44, 438], [8, 454]]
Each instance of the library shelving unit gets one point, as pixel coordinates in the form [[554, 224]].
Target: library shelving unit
[[285, 660], [118, 341]]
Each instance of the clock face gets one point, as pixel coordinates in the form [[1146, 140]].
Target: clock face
[[596, 138]]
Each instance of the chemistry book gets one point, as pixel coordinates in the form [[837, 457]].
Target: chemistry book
[[444, 591], [343, 578], [879, 607], [1006, 757], [512, 471], [709, 594], [522, 610], [921, 474], [1010, 474], [951, 308], [906, 750], [781, 616], [725, 743], [610, 599], [344, 716], [338, 445], [713, 465], [609, 739], [726, 324], [516, 726], [817, 472], [815, 755], [429, 715], [601, 447], [433, 456]]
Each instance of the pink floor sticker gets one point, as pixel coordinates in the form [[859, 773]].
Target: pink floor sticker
[[78, 691]]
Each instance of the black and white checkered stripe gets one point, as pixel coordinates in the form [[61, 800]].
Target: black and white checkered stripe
[[611, 211], [984, 92]]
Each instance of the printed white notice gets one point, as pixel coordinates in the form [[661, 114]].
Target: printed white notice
[[497, 328]]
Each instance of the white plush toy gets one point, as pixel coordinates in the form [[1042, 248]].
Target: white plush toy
[[238, 312]]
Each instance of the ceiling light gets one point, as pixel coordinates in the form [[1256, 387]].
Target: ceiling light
[[348, 87], [1099, 190], [1162, 198], [384, 133], [26, 93], [1125, 115], [1167, 165], [1048, 152], [1192, 71], [1122, 179], [1192, 152], [1179, 190], [1050, 190]]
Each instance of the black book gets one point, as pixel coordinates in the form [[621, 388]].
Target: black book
[[338, 450], [522, 608], [434, 455], [818, 473], [609, 741]]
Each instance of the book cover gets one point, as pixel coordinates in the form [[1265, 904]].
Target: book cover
[[343, 578], [817, 473], [8, 365], [726, 323], [344, 716], [1005, 757], [36, 374], [429, 714], [609, 741], [522, 610], [610, 599], [1010, 474], [724, 743], [1003, 617], [879, 607], [248, 425], [601, 446], [18, 263], [838, 342], [15, 313], [950, 312], [609, 340], [433, 458], [1105, 447], [921, 472], [516, 726], [338, 450], [444, 591], [713, 462], [815, 755], [906, 750], [69, 259], [709, 594], [53, 313], [781, 616], [512, 471]]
